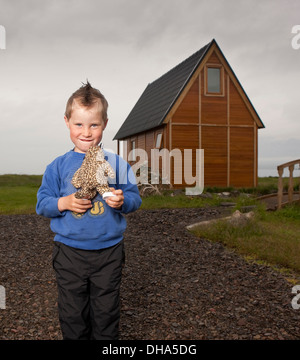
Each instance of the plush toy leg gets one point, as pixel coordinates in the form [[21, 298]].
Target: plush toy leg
[[107, 194], [104, 191], [84, 194]]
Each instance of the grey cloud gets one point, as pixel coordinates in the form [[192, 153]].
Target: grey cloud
[[121, 45]]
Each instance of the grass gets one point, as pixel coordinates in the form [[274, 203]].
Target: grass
[[18, 196], [178, 201], [266, 185], [273, 237], [18, 193], [20, 180]]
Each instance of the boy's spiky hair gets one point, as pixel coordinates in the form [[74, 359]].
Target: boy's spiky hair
[[87, 96]]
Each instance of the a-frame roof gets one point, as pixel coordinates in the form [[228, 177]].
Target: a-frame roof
[[159, 96]]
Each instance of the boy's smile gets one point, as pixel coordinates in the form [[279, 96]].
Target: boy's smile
[[86, 126]]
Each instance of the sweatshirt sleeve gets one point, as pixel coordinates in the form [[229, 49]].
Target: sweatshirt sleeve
[[48, 195]]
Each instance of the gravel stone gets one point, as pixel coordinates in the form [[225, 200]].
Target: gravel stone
[[175, 286]]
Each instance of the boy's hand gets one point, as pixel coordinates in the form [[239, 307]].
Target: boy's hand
[[117, 201], [71, 203]]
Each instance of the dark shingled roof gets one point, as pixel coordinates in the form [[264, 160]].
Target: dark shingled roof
[[159, 97]]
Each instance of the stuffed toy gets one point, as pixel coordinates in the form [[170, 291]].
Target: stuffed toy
[[92, 176]]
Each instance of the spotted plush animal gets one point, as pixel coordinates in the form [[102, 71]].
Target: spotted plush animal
[[92, 176]]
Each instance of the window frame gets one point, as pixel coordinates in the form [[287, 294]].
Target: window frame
[[161, 140], [209, 93], [132, 149]]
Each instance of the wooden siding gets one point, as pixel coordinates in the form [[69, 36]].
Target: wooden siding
[[145, 141], [149, 143], [213, 58], [226, 131], [213, 108], [188, 110], [141, 141], [239, 113], [241, 157], [214, 143], [180, 134], [224, 126]]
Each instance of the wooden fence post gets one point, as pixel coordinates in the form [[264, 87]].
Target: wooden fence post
[[280, 187], [291, 187], [280, 168]]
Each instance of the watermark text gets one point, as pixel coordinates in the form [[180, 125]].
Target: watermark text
[[296, 38], [2, 297], [296, 299], [185, 162]]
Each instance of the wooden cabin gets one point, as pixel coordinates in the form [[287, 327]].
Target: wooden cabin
[[199, 104]]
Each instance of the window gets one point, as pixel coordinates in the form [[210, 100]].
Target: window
[[158, 143], [133, 158], [214, 80]]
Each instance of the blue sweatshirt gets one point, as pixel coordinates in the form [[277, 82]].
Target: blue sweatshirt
[[99, 227]]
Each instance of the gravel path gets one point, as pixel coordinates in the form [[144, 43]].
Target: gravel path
[[272, 201], [175, 286]]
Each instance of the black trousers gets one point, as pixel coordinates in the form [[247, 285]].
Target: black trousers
[[88, 284]]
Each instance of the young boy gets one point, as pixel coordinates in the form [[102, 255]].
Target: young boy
[[88, 252]]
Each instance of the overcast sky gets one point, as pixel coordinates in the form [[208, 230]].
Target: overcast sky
[[122, 45]]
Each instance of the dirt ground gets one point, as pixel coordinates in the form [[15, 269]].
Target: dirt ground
[[175, 286]]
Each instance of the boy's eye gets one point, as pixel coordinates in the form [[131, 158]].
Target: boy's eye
[[95, 125], [78, 124]]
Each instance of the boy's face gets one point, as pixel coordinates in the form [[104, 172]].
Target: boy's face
[[86, 126]]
